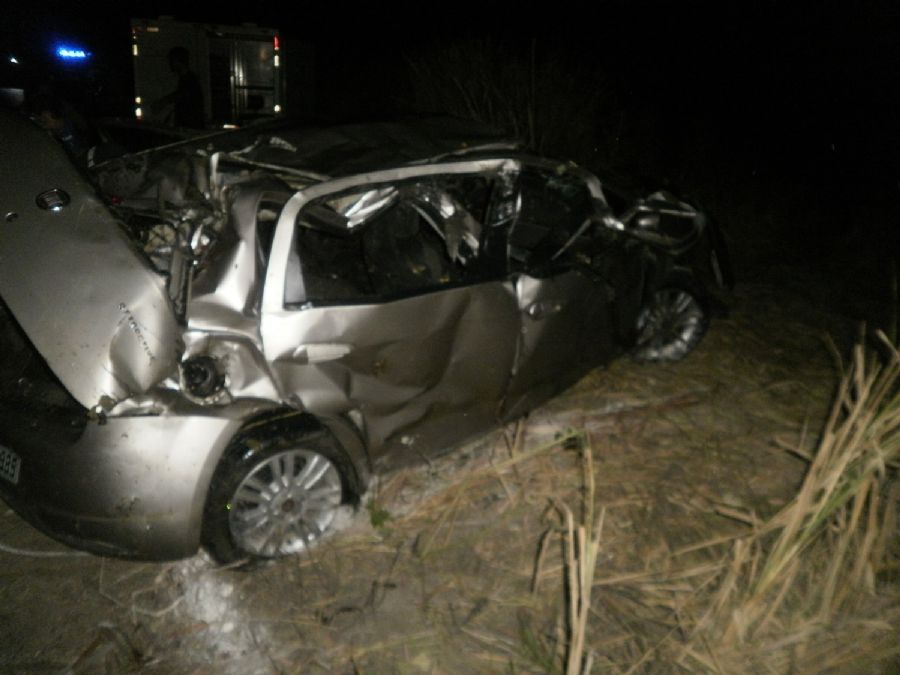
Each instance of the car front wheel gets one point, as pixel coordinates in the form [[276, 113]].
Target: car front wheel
[[276, 499], [671, 324]]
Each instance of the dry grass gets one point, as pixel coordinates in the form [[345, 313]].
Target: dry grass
[[813, 587], [643, 522], [582, 546], [808, 587], [826, 562], [538, 551]]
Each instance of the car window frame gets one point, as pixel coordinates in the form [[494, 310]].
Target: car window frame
[[278, 269], [556, 262]]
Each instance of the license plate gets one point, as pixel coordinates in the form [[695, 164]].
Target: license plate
[[10, 463]]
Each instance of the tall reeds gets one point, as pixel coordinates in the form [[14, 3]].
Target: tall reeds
[[818, 562]]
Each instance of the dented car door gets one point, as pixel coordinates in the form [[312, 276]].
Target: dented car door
[[564, 307], [389, 318], [560, 314]]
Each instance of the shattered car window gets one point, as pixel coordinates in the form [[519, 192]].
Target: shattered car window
[[359, 208], [332, 268], [553, 209], [388, 241], [405, 252]]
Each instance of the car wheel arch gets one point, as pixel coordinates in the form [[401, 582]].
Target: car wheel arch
[[289, 421], [279, 428], [674, 275]]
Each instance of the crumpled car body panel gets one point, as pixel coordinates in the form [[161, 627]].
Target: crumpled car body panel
[[87, 299], [411, 367], [212, 290]]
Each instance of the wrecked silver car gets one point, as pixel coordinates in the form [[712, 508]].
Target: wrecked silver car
[[219, 343]]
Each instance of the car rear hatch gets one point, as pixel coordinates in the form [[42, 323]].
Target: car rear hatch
[[83, 294]]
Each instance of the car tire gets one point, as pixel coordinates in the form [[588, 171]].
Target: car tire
[[671, 324], [277, 497]]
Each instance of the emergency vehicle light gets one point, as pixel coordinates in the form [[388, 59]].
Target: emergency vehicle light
[[70, 53]]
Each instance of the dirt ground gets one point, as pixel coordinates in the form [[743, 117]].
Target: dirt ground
[[456, 566]]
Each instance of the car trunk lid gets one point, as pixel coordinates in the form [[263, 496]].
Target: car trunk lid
[[86, 298]]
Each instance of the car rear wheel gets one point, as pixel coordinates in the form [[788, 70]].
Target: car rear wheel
[[276, 500], [671, 325]]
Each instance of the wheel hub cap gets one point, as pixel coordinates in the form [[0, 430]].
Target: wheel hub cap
[[285, 503], [671, 326]]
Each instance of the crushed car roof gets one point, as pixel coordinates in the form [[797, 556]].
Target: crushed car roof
[[349, 149]]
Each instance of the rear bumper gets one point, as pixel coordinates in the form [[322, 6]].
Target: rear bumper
[[132, 487]]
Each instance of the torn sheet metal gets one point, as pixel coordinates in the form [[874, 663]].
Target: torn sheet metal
[[226, 287]]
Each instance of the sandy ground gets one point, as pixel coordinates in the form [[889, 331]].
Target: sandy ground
[[456, 566]]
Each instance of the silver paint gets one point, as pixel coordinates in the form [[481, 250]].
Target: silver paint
[[90, 303], [404, 377]]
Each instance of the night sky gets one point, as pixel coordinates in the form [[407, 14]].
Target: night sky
[[803, 92]]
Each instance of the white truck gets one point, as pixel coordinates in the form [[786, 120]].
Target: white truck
[[240, 69]]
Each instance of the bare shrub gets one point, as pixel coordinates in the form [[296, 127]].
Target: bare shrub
[[554, 105]]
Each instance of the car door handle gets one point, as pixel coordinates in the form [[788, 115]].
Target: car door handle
[[541, 309], [321, 351]]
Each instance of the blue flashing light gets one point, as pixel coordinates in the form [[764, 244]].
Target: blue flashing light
[[70, 53]]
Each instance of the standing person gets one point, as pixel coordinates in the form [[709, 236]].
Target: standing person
[[187, 99]]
